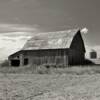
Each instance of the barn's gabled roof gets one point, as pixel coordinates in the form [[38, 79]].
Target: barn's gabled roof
[[51, 40]]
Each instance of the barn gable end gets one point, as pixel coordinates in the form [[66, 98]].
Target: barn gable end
[[77, 42], [77, 50]]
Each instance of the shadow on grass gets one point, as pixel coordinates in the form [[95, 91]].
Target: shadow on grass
[[85, 62], [88, 62]]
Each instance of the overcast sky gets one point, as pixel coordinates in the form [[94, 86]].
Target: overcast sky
[[20, 19]]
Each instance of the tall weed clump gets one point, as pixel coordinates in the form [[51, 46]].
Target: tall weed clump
[[5, 63]]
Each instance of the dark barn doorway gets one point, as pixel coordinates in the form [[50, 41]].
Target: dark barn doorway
[[15, 63], [26, 61]]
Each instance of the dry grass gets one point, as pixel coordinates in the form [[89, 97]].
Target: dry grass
[[78, 70], [49, 87], [74, 83]]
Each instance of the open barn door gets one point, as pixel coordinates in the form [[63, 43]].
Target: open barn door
[[15, 63]]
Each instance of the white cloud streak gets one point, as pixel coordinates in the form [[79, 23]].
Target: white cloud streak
[[14, 36], [9, 45], [84, 30], [17, 28]]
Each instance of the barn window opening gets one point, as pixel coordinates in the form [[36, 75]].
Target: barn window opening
[[26, 61], [93, 55], [15, 63]]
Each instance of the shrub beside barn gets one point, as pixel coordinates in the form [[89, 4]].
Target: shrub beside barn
[[60, 48]]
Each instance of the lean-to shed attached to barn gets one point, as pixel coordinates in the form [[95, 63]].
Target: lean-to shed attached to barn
[[60, 48]]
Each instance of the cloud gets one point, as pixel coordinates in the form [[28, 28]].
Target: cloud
[[17, 34], [84, 30], [14, 36], [18, 28], [16, 0], [12, 42], [60, 32], [14, 39]]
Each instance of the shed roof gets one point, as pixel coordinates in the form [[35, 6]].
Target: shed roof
[[51, 40]]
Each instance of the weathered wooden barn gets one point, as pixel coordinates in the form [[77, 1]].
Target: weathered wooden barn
[[61, 48]]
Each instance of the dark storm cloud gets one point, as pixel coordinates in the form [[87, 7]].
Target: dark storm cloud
[[51, 14]]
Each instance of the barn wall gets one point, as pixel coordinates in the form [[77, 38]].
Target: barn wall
[[39, 57], [76, 57], [53, 56], [77, 50]]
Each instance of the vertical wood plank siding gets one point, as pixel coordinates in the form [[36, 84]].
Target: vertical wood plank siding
[[58, 57]]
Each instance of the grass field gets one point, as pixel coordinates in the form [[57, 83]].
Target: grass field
[[75, 83]]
